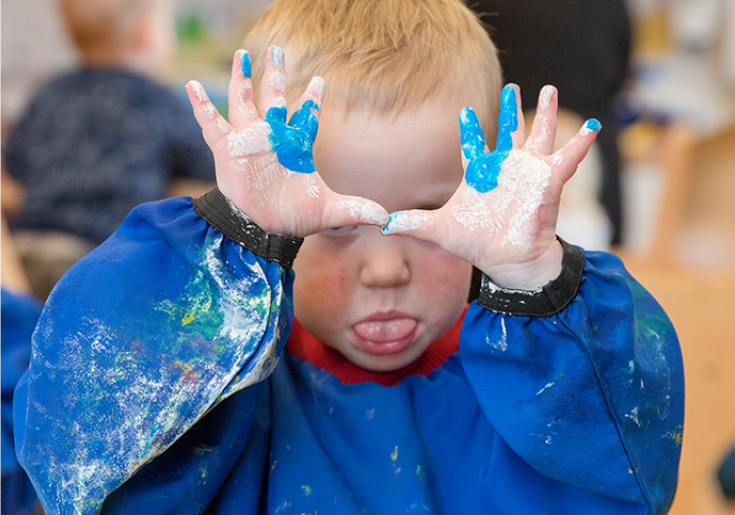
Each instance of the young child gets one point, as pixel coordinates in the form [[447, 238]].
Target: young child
[[167, 376], [99, 140]]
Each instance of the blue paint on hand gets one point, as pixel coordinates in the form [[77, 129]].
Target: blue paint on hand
[[293, 142], [245, 65], [392, 220], [508, 119], [277, 57], [592, 125], [483, 168]]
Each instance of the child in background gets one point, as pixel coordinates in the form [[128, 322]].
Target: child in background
[[169, 375], [97, 141]]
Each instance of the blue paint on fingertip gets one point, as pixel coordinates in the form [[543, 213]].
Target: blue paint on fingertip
[[508, 119], [592, 125], [471, 136], [393, 220], [277, 57], [245, 65]]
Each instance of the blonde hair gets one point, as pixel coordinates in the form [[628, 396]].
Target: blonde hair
[[104, 24], [383, 55]]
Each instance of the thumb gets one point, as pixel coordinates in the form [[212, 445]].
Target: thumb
[[351, 210], [417, 223]]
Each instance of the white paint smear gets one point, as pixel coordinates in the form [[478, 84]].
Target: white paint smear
[[474, 213], [406, 221], [368, 212], [525, 177], [545, 97], [513, 203], [250, 141]]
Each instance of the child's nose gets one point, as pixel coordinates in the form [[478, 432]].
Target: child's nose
[[385, 264]]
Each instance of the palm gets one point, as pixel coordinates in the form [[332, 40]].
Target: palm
[[264, 165], [504, 213]]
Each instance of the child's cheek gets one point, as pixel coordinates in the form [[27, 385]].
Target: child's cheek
[[321, 291], [445, 277]]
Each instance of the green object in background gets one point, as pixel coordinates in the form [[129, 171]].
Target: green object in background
[[190, 28]]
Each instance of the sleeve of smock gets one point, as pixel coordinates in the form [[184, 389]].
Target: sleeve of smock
[[583, 381], [186, 304]]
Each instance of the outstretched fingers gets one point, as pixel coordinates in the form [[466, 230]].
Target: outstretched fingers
[[543, 130], [471, 135], [307, 117], [510, 121], [242, 111], [272, 97], [344, 210], [417, 223], [214, 127], [570, 155]]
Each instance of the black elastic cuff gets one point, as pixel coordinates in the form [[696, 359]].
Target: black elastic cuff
[[221, 214], [548, 301]]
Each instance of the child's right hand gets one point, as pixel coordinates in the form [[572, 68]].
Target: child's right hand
[[265, 166]]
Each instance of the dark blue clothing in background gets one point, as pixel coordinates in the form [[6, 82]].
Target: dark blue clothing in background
[[19, 316], [95, 143]]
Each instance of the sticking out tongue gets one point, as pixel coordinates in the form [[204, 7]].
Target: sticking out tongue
[[384, 331]]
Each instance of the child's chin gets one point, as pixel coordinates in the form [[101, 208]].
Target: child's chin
[[386, 362]]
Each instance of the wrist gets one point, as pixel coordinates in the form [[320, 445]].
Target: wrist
[[224, 216], [553, 298], [529, 275]]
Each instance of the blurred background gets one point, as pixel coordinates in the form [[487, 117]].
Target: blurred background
[[676, 114]]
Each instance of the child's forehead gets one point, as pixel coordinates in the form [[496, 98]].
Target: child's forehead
[[408, 159]]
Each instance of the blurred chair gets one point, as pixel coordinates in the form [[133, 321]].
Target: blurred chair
[[696, 226]]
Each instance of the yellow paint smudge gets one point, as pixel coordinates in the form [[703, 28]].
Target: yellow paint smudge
[[394, 454], [188, 318], [306, 489]]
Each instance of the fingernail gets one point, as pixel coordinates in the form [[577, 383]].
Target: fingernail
[[316, 88], [591, 125], [277, 58], [198, 90], [544, 99], [245, 64]]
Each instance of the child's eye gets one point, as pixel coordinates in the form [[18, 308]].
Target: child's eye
[[339, 231]]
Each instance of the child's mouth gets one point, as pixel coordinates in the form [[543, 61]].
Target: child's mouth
[[381, 337]]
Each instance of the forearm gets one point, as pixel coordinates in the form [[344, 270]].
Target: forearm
[[592, 374], [138, 341]]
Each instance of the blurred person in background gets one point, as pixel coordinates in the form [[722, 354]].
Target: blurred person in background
[[582, 48], [99, 140]]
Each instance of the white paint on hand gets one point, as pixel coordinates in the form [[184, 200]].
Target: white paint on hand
[[364, 211], [250, 141], [525, 177]]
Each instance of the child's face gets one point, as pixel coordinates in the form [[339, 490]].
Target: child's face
[[381, 300]]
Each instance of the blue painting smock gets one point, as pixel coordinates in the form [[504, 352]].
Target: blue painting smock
[[159, 383]]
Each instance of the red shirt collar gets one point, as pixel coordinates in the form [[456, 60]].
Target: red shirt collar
[[305, 346]]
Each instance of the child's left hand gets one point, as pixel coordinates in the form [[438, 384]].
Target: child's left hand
[[502, 218]]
